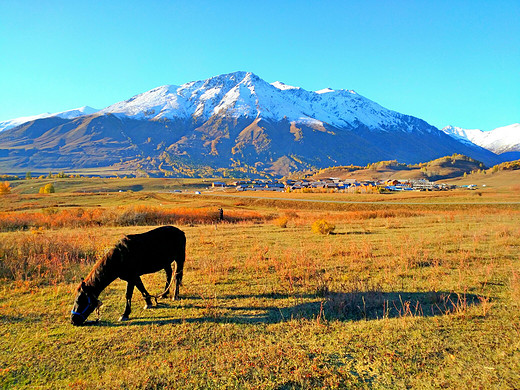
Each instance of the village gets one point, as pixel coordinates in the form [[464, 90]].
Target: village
[[337, 185]]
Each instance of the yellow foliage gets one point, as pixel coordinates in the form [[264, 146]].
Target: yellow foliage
[[47, 189], [281, 221], [5, 188], [322, 227]]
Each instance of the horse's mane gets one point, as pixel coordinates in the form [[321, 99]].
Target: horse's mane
[[97, 270]]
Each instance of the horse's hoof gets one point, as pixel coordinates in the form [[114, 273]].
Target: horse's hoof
[[123, 318], [148, 306]]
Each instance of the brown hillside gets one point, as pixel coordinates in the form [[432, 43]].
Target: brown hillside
[[439, 169]]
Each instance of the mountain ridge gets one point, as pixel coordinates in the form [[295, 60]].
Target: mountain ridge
[[245, 94]]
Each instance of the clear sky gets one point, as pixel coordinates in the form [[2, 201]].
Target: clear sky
[[447, 62]]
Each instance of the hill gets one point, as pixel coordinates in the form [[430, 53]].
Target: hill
[[438, 169], [505, 176]]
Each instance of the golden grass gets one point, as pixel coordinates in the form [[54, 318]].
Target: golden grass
[[53, 218], [399, 297]]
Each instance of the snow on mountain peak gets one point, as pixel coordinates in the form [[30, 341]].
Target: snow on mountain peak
[[69, 114], [282, 86], [245, 94], [463, 134], [325, 90], [240, 94], [499, 140]]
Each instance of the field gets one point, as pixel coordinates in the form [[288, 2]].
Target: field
[[416, 290]]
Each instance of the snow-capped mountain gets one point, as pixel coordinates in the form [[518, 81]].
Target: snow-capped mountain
[[500, 140], [69, 114], [235, 121], [76, 112], [243, 94]]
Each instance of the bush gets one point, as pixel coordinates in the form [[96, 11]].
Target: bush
[[281, 221], [322, 227]]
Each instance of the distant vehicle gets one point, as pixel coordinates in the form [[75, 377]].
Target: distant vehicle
[[197, 192]]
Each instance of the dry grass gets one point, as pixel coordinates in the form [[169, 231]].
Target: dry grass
[[49, 257], [54, 218]]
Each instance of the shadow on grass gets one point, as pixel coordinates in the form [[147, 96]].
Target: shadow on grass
[[357, 232], [12, 319], [354, 306]]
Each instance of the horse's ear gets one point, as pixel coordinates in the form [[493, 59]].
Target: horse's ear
[[123, 248]]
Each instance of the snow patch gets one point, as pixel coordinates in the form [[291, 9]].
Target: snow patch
[[69, 114], [325, 90], [283, 87]]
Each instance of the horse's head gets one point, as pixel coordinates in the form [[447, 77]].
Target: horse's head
[[84, 304]]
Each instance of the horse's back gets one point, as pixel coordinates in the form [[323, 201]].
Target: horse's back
[[153, 250], [158, 234]]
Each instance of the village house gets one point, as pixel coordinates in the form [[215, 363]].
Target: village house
[[273, 186], [335, 184]]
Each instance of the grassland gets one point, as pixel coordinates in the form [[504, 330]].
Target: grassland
[[414, 290]]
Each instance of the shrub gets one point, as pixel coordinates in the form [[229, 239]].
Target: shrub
[[322, 227], [281, 221]]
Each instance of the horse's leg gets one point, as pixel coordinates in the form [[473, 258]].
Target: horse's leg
[[169, 274], [178, 276], [140, 286], [128, 308]]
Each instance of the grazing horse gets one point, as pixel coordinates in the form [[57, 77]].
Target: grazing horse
[[133, 256]]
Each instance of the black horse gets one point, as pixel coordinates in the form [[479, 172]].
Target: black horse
[[133, 256]]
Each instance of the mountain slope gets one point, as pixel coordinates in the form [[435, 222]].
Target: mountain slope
[[232, 121]]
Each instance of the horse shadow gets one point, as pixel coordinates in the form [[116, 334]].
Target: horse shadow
[[276, 308]]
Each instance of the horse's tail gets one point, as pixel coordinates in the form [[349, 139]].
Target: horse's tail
[[179, 260]]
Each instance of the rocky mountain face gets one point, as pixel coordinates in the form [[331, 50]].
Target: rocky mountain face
[[235, 122]]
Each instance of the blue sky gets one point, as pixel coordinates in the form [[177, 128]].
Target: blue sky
[[447, 62]]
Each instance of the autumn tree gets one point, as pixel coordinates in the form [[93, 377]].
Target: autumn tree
[[47, 189], [5, 188]]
